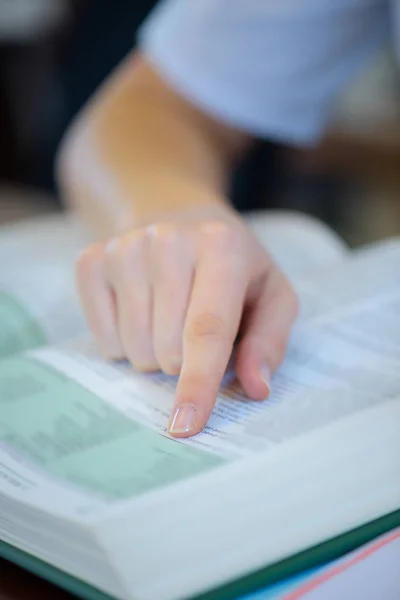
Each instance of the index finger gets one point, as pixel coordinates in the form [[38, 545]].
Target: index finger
[[211, 326]]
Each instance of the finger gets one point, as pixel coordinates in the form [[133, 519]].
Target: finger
[[171, 278], [211, 325], [264, 341], [98, 301], [127, 270]]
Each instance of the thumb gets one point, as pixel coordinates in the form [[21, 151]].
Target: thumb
[[264, 340]]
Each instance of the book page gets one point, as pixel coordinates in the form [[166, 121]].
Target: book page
[[38, 301], [63, 445], [369, 274], [299, 243], [71, 419]]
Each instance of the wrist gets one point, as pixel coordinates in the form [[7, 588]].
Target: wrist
[[169, 201]]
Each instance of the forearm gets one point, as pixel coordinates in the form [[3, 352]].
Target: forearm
[[139, 152]]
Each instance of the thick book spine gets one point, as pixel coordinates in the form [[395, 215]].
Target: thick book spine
[[308, 559]]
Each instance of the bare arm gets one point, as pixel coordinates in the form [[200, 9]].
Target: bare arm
[[139, 151]]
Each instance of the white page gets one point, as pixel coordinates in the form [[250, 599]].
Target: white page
[[369, 273], [237, 426], [322, 380], [326, 376], [332, 369], [299, 243], [343, 360], [38, 300]]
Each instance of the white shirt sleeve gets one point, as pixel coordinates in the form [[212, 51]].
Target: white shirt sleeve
[[270, 67]]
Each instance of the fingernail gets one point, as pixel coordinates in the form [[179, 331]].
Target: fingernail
[[183, 419], [265, 374]]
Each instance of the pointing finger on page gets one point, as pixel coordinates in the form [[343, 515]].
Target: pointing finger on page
[[211, 326]]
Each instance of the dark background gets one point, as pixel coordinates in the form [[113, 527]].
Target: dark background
[[46, 76]]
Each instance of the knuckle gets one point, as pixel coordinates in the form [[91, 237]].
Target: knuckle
[[218, 233], [206, 325], [113, 247], [164, 233], [123, 249], [125, 244], [90, 256]]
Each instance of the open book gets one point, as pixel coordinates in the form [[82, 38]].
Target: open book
[[95, 496]]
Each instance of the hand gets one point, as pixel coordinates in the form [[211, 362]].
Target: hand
[[175, 295]]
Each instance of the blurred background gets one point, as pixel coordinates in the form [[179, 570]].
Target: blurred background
[[55, 53]]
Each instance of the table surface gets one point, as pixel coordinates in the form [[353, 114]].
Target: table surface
[[16, 584]]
